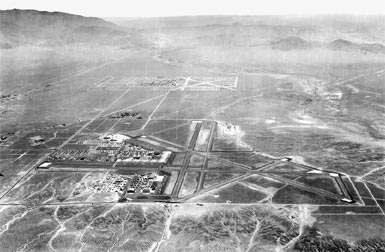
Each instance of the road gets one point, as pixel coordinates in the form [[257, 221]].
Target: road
[[42, 158], [31, 165]]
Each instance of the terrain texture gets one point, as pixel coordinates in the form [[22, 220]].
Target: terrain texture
[[212, 133]]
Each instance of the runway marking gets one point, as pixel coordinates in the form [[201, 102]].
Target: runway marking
[[175, 127], [94, 130], [212, 83], [136, 104], [111, 128], [20, 156], [156, 108], [185, 83], [236, 82]]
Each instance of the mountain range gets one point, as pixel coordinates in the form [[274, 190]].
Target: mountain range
[[41, 28], [31, 27], [296, 43]]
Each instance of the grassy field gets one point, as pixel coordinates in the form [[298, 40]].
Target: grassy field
[[215, 178], [179, 157], [157, 126], [263, 181], [190, 183], [180, 135], [324, 182], [213, 164], [293, 195], [196, 161], [351, 228], [247, 158], [204, 135], [233, 193]]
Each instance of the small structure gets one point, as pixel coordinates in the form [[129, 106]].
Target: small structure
[[347, 200], [44, 165], [119, 138]]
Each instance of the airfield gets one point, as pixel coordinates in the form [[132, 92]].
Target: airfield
[[211, 165], [206, 135]]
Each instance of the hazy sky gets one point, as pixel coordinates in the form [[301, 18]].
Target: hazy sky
[[153, 8]]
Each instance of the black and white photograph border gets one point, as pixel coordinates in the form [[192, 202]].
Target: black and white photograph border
[[205, 126]]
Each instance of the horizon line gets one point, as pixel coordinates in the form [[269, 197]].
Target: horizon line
[[210, 15]]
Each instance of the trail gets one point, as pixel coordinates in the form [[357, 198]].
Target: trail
[[34, 162], [93, 119], [166, 231], [339, 82], [136, 104], [78, 73], [303, 220], [20, 156], [251, 242], [175, 127], [151, 99], [372, 171], [16, 217], [156, 108], [42, 189]]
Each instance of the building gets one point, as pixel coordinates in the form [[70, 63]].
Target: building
[[108, 150]]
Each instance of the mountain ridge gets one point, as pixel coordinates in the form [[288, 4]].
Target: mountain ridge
[[26, 27]]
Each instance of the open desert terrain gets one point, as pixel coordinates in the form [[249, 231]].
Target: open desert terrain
[[204, 134]]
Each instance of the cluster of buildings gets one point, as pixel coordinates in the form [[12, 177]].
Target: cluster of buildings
[[103, 149], [132, 152], [3, 138], [7, 97], [226, 129], [110, 148], [132, 114], [159, 83], [333, 96], [111, 144], [149, 183], [111, 183], [71, 154], [123, 185], [36, 140], [334, 99]]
